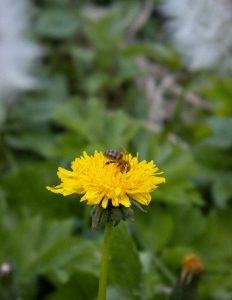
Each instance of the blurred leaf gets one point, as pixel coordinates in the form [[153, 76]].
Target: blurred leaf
[[57, 23], [84, 55], [178, 166], [190, 224], [218, 90], [39, 141], [38, 247], [91, 120], [162, 227], [218, 233], [222, 189], [219, 159], [173, 256], [81, 286], [116, 293], [103, 27], [27, 194], [159, 52], [221, 132], [40, 107], [125, 267], [214, 247], [2, 113]]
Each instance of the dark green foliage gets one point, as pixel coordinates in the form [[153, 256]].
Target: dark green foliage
[[124, 260], [91, 97]]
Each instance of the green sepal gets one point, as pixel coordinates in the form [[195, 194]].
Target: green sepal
[[101, 216]]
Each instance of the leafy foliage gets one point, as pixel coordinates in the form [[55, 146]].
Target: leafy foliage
[[91, 97]]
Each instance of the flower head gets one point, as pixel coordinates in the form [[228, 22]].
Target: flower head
[[103, 181], [192, 268]]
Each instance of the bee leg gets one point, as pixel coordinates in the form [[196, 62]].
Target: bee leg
[[121, 166], [110, 162], [124, 167], [128, 167]]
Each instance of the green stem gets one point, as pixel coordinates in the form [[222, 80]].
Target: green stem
[[104, 263], [166, 272]]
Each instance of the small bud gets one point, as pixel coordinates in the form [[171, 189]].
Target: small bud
[[186, 287], [192, 268]]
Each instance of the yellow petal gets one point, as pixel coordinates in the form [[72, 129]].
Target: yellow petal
[[124, 200], [105, 202], [144, 198]]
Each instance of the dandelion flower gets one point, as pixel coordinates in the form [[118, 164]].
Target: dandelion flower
[[103, 183]]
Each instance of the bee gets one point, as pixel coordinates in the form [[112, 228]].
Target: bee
[[118, 157]]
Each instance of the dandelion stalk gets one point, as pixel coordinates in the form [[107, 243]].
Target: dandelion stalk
[[104, 262]]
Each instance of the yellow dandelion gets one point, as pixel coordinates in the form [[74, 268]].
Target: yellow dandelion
[[103, 181]]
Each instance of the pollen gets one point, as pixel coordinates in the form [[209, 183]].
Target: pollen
[[105, 184]]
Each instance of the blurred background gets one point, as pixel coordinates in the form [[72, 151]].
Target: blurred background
[[153, 77]]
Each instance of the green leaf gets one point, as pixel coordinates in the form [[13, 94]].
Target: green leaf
[[91, 120], [214, 247], [58, 23], [190, 224], [178, 166], [106, 29], [27, 194], [162, 225], [81, 286], [125, 268], [222, 190], [38, 247], [221, 132], [173, 256]]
